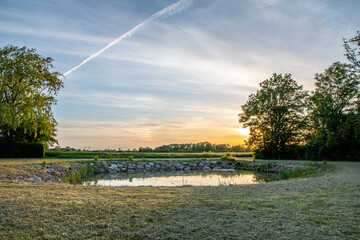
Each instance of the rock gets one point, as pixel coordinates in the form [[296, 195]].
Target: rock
[[178, 165], [35, 179], [64, 166], [51, 170], [113, 166], [11, 176]]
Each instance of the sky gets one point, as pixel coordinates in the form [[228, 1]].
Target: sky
[[181, 78]]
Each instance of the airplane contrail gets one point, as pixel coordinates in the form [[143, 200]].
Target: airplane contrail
[[164, 13]]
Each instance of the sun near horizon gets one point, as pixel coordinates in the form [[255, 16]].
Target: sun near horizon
[[138, 78]]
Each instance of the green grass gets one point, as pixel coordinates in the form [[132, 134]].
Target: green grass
[[68, 157], [107, 155], [322, 207], [27, 161]]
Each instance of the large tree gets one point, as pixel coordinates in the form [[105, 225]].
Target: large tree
[[275, 116], [335, 114], [27, 90]]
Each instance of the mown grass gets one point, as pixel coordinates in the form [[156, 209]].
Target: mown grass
[[27, 161], [70, 157], [324, 207]]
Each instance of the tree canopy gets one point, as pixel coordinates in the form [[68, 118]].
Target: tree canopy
[[28, 89], [275, 116], [335, 113], [285, 120]]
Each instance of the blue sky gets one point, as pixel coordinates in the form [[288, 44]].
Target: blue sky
[[181, 79]]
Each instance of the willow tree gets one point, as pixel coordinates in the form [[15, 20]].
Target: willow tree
[[27, 90], [276, 117]]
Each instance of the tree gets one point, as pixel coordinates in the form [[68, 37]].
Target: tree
[[335, 114], [276, 117], [352, 53], [28, 89]]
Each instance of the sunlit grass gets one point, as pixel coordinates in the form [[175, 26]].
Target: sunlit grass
[[89, 156]]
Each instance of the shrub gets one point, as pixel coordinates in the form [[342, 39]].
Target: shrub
[[297, 173], [74, 177], [33, 150], [227, 157], [285, 174]]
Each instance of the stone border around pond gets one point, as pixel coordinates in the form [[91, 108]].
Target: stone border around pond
[[143, 166], [72, 173]]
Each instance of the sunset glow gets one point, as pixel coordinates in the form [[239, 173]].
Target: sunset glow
[[243, 131], [161, 72]]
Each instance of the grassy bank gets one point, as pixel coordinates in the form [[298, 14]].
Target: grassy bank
[[325, 207]]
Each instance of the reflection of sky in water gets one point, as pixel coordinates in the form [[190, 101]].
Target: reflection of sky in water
[[207, 179]]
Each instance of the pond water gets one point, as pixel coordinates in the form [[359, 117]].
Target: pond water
[[180, 178]]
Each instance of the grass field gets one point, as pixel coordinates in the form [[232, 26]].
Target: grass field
[[322, 207], [106, 155]]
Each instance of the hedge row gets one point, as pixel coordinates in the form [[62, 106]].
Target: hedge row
[[30, 150]]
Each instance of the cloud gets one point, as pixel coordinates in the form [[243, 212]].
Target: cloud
[[51, 33], [182, 79]]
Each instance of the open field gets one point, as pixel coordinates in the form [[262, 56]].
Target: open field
[[61, 157], [322, 207], [107, 155], [28, 161]]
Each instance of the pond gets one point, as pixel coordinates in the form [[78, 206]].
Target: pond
[[180, 178]]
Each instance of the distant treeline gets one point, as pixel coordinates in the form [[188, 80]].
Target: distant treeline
[[170, 148], [196, 147]]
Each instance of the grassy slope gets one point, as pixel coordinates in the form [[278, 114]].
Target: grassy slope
[[325, 207]]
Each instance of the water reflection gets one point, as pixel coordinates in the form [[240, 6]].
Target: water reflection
[[180, 178]]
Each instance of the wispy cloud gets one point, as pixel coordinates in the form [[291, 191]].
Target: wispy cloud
[[168, 11], [182, 79], [51, 33]]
